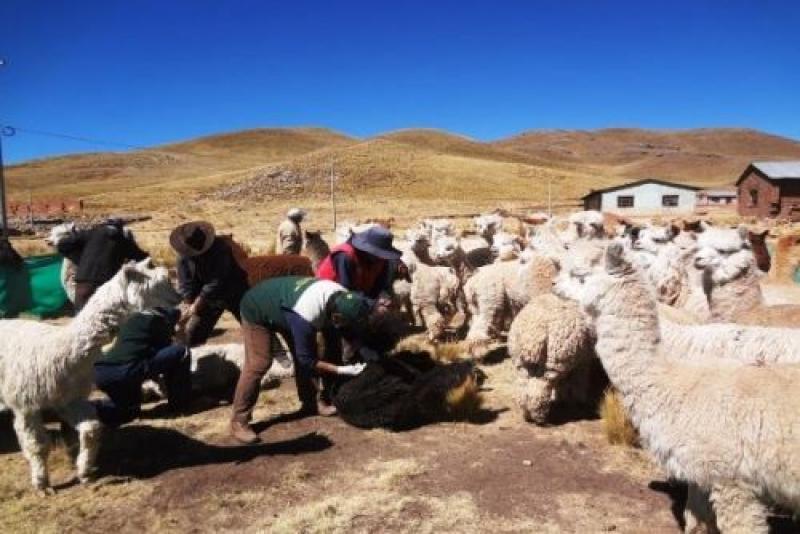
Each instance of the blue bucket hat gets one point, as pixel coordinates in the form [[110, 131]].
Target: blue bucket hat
[[376, 241]]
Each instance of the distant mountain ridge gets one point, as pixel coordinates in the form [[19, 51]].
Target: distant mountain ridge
[[414, 163]]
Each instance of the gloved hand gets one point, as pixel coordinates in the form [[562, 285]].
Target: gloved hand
[[350, 370]]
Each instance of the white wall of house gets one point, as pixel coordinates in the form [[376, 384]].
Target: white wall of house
[[648, 198]]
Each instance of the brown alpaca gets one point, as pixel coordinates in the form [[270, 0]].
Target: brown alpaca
[[260, 268], [758, 244], [787, 258], [315, 248]]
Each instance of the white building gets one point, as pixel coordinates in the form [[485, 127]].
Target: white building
[[648, 196]]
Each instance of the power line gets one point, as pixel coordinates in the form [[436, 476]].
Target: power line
[[101, 142]]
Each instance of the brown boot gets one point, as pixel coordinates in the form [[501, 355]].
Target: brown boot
[[242, 433]]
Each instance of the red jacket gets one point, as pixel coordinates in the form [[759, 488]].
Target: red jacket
[[363, 278]]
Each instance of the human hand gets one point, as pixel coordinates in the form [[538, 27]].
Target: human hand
[[350, 370]]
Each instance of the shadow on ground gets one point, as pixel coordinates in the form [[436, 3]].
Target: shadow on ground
[[141, 451]]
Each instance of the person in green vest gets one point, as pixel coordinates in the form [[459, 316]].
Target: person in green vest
[[297, 308], [144, 349]]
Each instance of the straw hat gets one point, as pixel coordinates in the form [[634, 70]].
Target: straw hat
[[192, 238]]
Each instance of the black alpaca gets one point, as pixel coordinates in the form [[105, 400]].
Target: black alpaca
[[407, 390]]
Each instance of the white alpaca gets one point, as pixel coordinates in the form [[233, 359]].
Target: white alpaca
[[217, 367], [44, 366], [68, 268], [497, 292], [733, 431], [436, 296], [488, 225], [551, 345], [584, 225], [732, 281], [439, 228]]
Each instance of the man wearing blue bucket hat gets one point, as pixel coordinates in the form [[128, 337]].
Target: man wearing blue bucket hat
[[367, 263]]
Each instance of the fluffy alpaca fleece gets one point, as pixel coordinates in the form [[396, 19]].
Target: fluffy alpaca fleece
[[439, 228], [315, 248], [216, 368], [44, 366], [549, 341], [260, 268], [497, 292], [731, 431], [405, 390], [435, 296], [787, 258]]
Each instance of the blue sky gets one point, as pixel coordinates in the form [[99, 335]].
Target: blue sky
[[146, 72]]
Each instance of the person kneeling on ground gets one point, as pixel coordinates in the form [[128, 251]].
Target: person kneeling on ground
[[143, 350], [209, 279], [297, 308]]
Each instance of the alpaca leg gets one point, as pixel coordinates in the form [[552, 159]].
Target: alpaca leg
[[82, 417], [698, 514], [434, 322], [33, 440], [738, 509]]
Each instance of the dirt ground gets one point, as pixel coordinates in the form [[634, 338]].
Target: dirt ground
[[493, 474]]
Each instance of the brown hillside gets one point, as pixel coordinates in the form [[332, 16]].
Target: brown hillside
[[703, 156], [195, 161]]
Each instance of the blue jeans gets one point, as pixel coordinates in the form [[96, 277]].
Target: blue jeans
[[123, 383]]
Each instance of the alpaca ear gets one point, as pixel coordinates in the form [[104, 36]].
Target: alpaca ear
[[674, 231], [615, 257]]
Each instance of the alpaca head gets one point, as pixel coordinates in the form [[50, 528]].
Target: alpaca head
[[715, 245], [439, 227], [145, 286], [445, 248], [575, 267], [587, 225], [488, 225], [417, 238], [652, 238], [59, 233], [315, 241], [505, 246]]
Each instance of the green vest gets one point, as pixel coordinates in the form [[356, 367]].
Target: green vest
[[263, 304]]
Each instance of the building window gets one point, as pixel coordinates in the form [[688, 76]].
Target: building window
[[669, 201], [753, 197], [625, 201]]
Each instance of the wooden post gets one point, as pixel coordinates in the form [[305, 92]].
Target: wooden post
[[30, 209]]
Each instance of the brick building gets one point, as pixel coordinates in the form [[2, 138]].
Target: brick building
[[770, 189]]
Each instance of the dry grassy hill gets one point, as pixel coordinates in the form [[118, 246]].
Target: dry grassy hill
[[708, 156], [191, 166], [406, 166]]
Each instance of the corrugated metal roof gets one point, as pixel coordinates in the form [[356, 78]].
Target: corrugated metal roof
[[639, 182], [777, 170]]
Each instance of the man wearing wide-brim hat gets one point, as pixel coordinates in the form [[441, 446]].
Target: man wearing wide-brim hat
[[209, 278], [366, 263]]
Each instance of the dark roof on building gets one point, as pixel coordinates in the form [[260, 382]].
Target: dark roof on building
[[640, 182], [774, 170]]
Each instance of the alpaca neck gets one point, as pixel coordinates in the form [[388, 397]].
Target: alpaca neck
[[98, 321], [628, 334]]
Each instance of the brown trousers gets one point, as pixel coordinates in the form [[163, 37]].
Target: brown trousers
[[257, 361]]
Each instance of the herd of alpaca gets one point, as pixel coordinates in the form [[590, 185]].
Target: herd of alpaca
[[675, 316]]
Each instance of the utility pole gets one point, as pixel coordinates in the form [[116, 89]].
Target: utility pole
[[333, 196], [3, 213]]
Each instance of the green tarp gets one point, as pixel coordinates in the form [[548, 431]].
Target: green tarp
[[34, 289]]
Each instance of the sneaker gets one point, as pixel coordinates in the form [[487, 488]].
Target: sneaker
[[242, 433]]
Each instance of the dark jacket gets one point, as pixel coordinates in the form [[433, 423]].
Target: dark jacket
[[106, 251], [141, 337], [215, 274]]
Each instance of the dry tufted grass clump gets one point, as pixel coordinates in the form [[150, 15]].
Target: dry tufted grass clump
[[617, 426]]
